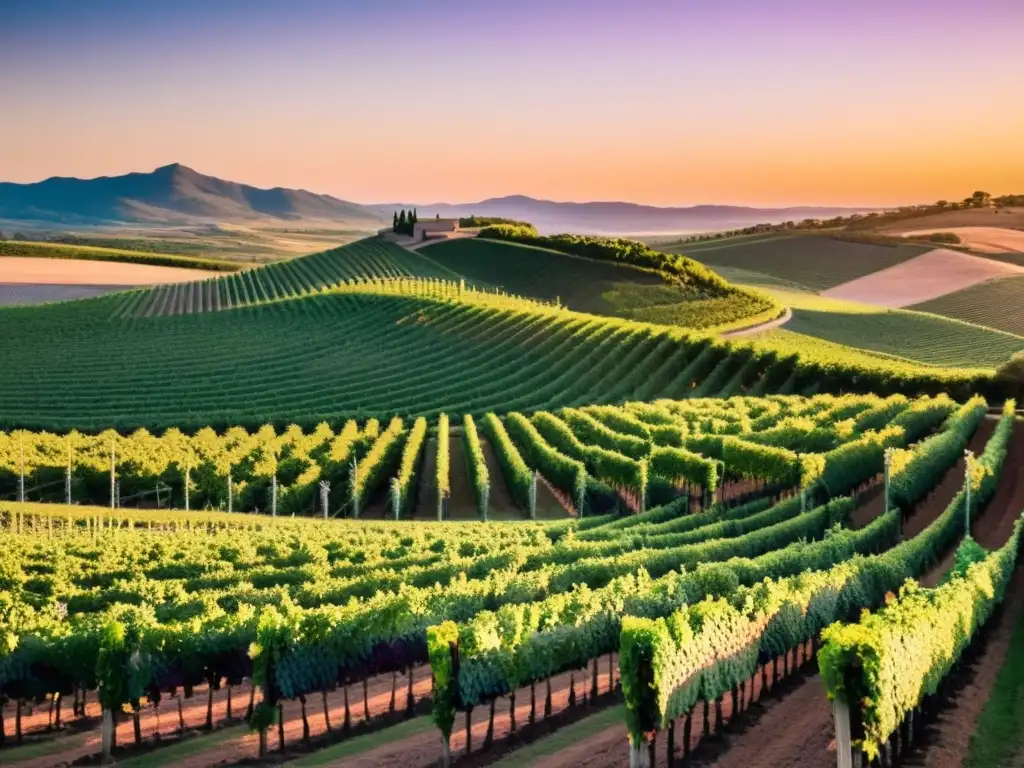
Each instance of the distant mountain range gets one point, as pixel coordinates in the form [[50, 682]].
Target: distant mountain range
[[177, 195], [173, 194], [619, 218]]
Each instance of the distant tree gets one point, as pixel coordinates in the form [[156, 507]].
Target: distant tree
[[394, 223], [19, 236], [941, 203], [438, 217], [415, 216], [980, 198], [401, 222]]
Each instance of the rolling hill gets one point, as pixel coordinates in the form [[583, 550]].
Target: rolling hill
[[172, 194], [356, 333]]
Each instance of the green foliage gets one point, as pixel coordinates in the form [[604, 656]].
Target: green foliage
[[914, 473], [379, 462], [968, 553], [443, 463], [715, 303], [440, 640], [681, 465], [566, 474], [590, 430], [410, 465], [883, 666], [476, 464], [518, 476], [472, 222]]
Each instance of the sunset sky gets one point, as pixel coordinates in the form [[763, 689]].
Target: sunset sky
[[667, 102]]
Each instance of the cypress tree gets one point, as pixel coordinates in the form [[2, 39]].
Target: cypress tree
[[401, 223], [394, 222]]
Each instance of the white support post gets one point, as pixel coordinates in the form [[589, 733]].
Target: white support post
[[67, 477], [533, 496], [844, 742], [188, 481], [107, 734], [353, 476], [968, 460], [273, 496], [396, 498], [230, 494], [325, 490], [21, 476], [113, 499]]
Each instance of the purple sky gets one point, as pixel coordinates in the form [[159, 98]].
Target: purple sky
[[672, 102]]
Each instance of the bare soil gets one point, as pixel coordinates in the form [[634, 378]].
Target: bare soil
[[161, 725], [1009, 218], [24, 269], [981, 239], [922, 278], [462, 502], [426, 497], [424, 749], [501, 506]]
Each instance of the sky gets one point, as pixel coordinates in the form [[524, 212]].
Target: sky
[[664, 102]]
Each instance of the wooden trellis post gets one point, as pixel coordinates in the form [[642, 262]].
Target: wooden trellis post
[[229, 491], [273, 495]]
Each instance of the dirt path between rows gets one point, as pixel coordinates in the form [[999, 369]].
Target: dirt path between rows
[[462, 504], [769, 325], [424, 749], [426, 496], [993, 526], [163, 724], [501, 505], [797, 729]]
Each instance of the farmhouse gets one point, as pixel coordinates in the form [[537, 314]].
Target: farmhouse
[[430, 229]]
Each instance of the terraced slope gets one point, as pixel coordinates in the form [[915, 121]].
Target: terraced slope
[[996, 304], [369, 259]]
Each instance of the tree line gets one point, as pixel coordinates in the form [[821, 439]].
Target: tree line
[[403, 222]]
